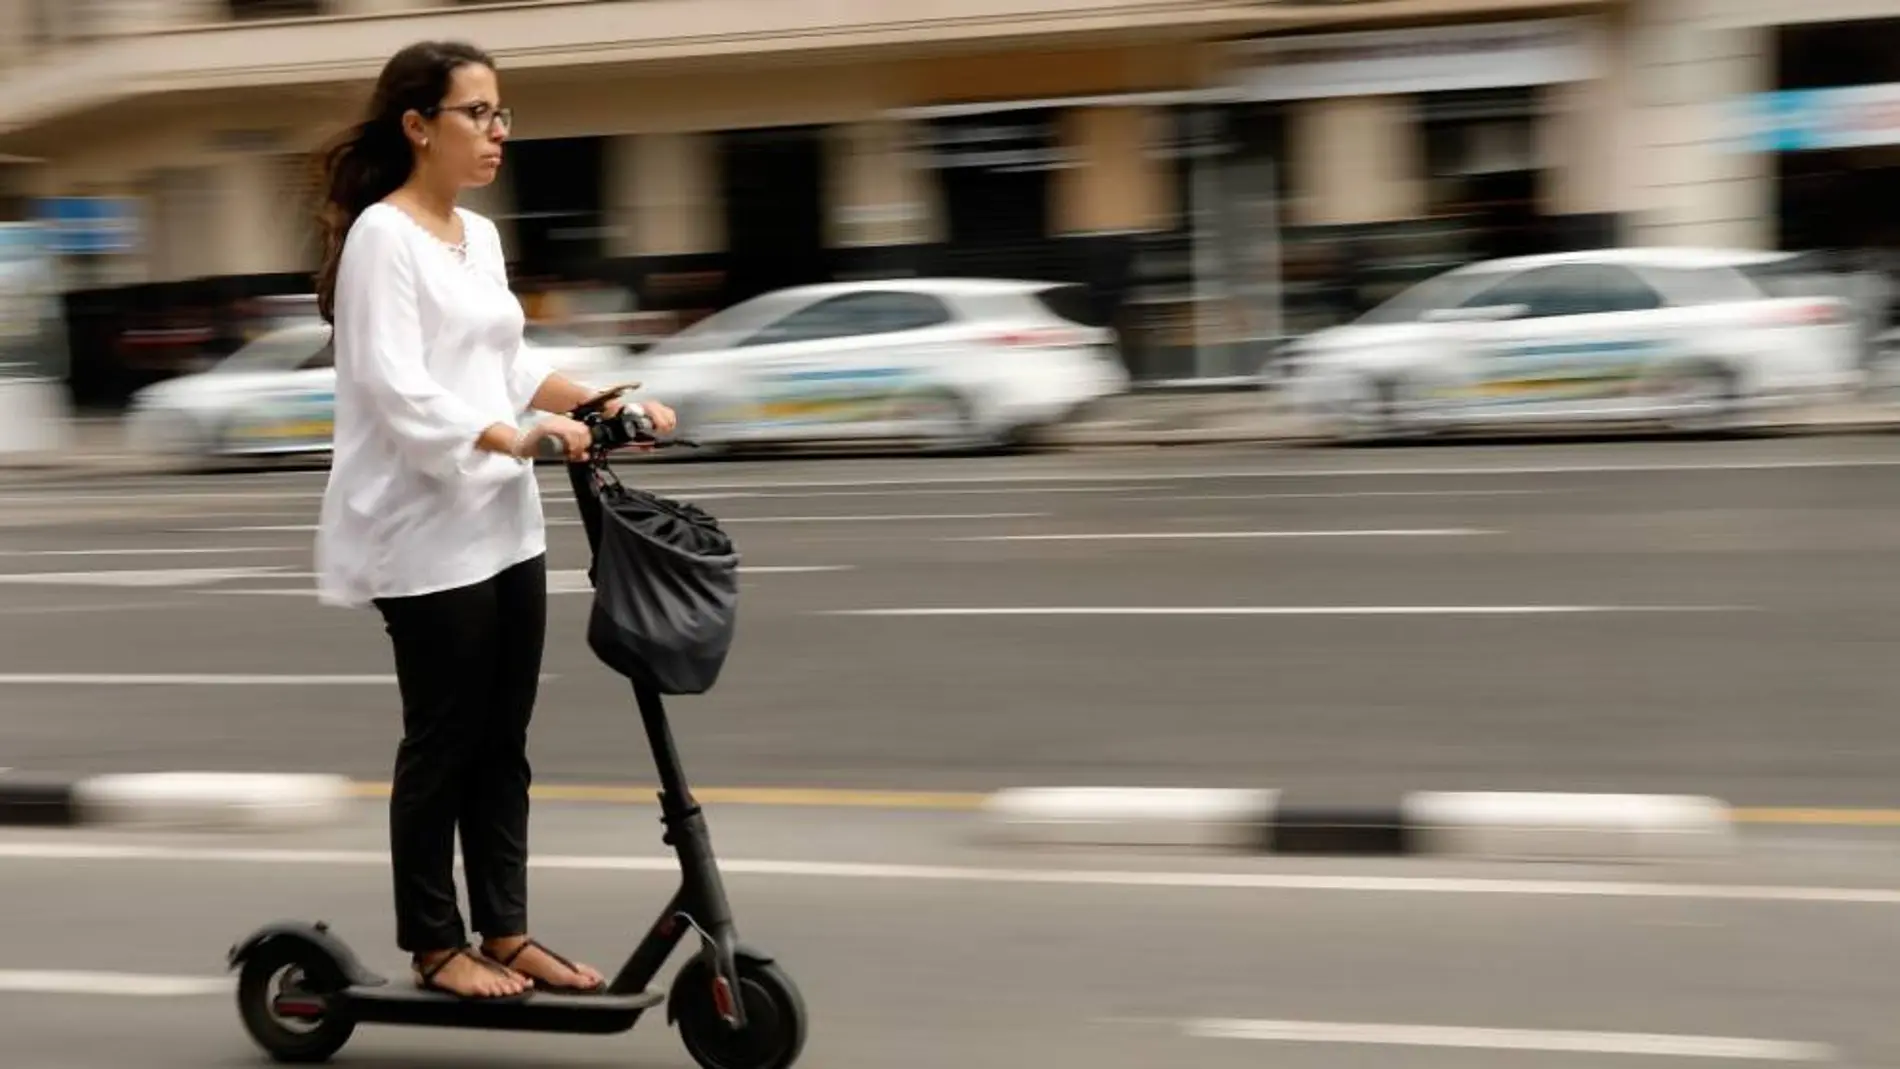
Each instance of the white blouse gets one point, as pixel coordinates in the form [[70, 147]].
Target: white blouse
[[428, 355]]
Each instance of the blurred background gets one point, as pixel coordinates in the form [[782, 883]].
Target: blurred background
[[1062, 233], [1218, 178]]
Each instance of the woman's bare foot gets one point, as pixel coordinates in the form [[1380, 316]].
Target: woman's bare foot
[[525, 956], [467, 975]]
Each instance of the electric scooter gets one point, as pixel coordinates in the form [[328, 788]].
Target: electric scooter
[[302, 991]]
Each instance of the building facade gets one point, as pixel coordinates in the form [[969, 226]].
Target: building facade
[[1221, 174]]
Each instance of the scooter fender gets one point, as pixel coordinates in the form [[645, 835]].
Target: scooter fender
[[741, 954], [316, 937]]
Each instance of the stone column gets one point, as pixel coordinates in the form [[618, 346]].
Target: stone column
[[1117, 185], [663, 195], [1356, 160], [1691, 183]]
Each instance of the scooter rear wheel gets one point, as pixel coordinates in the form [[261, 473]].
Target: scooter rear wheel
[[774, 1035], [269, 988]]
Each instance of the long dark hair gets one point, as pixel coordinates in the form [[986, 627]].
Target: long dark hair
[[373, 159]]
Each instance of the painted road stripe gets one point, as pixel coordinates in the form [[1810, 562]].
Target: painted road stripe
[[160, 577], [877, 517], [668, 866], [1288, 610], [1134, 536], [560, 581], [1404, 1035], [972, 801], [76, 679], [126, 985], [169, 551], [1343, 494], [951, 801], [1818, 817], [560, 521]]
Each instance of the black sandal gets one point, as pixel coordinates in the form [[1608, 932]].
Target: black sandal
[[425, 978], [543, 985]]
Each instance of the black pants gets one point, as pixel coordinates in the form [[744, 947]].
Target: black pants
[[468, 663]]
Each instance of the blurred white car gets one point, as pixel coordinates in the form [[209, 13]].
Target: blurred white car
[[276, 396], [952, 362], [1685, 337]]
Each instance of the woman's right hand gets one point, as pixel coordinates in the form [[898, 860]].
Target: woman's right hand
[[573, 435]]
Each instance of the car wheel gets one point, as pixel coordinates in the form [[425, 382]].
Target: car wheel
[[1701, 397]]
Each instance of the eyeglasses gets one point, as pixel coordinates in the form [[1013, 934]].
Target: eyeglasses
[[485, 118]]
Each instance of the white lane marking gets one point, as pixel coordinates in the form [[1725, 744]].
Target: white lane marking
[[724, 520], [48, 850], [1287, 610], [163, 577], [560, 581], [168, 551], [295, 528], [128, 985], [115, 606], [1402, 1035], [132, 497], [1139, 536], [884, 517], [160, 679], [934, 491], [1343, 494], [254, 529]]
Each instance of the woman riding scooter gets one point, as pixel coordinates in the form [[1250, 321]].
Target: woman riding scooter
[[433, 514]]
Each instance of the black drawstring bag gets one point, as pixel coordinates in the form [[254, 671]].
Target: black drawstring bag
[[666, 590]]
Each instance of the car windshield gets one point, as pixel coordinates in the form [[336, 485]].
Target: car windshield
[[726, 328], [1442, 291], [283, 351]]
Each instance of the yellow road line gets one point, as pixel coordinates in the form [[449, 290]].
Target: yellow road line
[[844, 798], [764, 796], [1839, 818]]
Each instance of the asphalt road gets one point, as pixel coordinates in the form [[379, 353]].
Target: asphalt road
[[1678, 617], [915, 946], [1691, 616]]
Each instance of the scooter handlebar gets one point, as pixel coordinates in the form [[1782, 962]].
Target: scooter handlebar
[[628, 427]]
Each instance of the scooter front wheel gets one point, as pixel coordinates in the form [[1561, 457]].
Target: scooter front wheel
[[280, 996], [774, 1033]]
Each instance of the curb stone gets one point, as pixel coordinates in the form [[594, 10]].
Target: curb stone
[[233, 801], [1496, 825]]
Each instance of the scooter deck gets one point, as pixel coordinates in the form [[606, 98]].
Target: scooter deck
[[535, 1012]]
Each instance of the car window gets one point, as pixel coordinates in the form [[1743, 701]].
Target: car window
[[1442, 291], [1570, 290], [855, 315], [725, 328], [1623, 290]]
